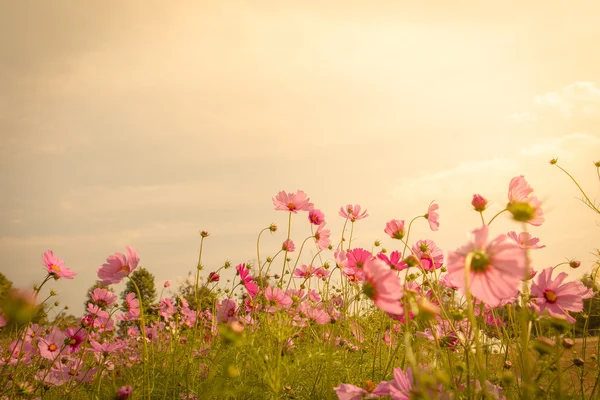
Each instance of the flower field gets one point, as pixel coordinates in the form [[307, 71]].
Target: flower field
[[320, 318]]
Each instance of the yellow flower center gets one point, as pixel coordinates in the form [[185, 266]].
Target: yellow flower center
[[55, 268], [550, 296]]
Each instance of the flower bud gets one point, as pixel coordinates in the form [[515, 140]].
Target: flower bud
[[204, 234], [568, 343], [273, 228], [553, 161], [124, 392], [574, 264], [479, 203], [578, 362]]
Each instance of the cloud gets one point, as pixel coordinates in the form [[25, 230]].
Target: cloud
[[579, 99], [522, 118]]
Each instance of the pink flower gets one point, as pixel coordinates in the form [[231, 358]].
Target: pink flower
[[382, 286], [399, 388], [74, 338], [277, 299], [479, 202], [525, 241], [352, 212], [321, 273], [288, 246], [227, 311], [557, 298], [322, 237], [132, 304], [316, 217], [304, 271], [522, 207], [167, 284], [496, 268], [433, 217], [247, 279], [394, 261], [346, 391], [103, 298], [292, 202], [124, 392], [118, 267], [395, 228], [518, 189], [431, 256], [52, 345], [55, 266], [358, 257]]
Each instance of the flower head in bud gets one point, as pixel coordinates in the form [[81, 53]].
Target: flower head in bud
[[479, 203], [227, 264], [273, 228], [568, 343], [553, 161], [574, 264], [124, 392], [597, 164], [52, 292], [167, 284], [579, 362], [377, 243], [204, 234]]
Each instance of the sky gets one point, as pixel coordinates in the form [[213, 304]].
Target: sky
[[140, 123]]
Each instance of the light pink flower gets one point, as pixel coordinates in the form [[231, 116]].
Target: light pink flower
[[103, 298], [518, 189], [479, 202], [382, 286], [322, 273], [399, 388], [430, 255], [227, 311], [132, 304], [352, 212], [288, 246], [523, 207], [292, 202], [316, 217], [395, 228], [247, 279], [525, 241], [346, 391], [496, 267], [52, 345], [433, 217], [322, 237], [304, 271], [277, 299], [118, 266], [55, 266], [556, 297]]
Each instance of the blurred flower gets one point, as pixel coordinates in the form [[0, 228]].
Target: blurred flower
[[395, 228], [525, 241], [433, 217], [479, 203], [352, 212], [118, 266]]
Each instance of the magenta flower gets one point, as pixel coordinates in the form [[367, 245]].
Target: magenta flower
[[292, 202], [288, 246], [399, 388], [357, 258], [394, 261], [557, 298], [431, 256], [433, 217], [322, 237], [124, 392], [55, 266], [247, 279], [352, 212], [479, 202], [117, 267], [525, 241], [395, 228], [74, 338], [213, 277], [495, 271], [382, 286], [316, 217]]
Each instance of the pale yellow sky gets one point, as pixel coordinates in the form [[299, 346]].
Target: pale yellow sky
[[139, 123]]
